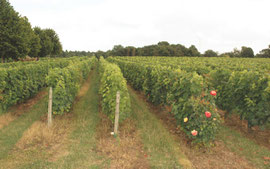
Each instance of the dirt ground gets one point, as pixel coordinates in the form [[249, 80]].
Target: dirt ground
[[124, 151], [53, 140]]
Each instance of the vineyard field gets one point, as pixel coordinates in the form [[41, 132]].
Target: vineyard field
[[22, 80], [171, 113], [242, 85]]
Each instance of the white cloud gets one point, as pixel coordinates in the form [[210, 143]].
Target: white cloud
[[220, 25]]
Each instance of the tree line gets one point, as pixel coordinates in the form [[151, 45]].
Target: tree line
[[18, 39], [67, 53], [165, 49]]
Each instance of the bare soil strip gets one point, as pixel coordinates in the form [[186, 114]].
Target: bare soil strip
[[52, 140], [5, 119], [125, 151]]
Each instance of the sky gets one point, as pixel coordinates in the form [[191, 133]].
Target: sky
[[91, 25]]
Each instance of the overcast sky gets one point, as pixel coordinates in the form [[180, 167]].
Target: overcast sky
[[93, 25]]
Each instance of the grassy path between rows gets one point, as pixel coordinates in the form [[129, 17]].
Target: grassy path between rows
[[163, 151], [257, 155], [83, 139], [69, 143], [10, 134]]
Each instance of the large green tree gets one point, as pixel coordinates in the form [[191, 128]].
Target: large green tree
[[45, 42], [118, 50], [193, 51], [13, 38], [57, 46], [30, 38], [210, 53], [246, 52], [49, 41], [35, 45]]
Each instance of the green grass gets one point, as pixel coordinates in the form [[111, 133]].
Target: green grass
[[245, 147], [163, 151], [10, 134], [82, 154]]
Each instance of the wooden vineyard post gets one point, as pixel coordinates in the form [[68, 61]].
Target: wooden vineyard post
[[116, 113], [50, 108]]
